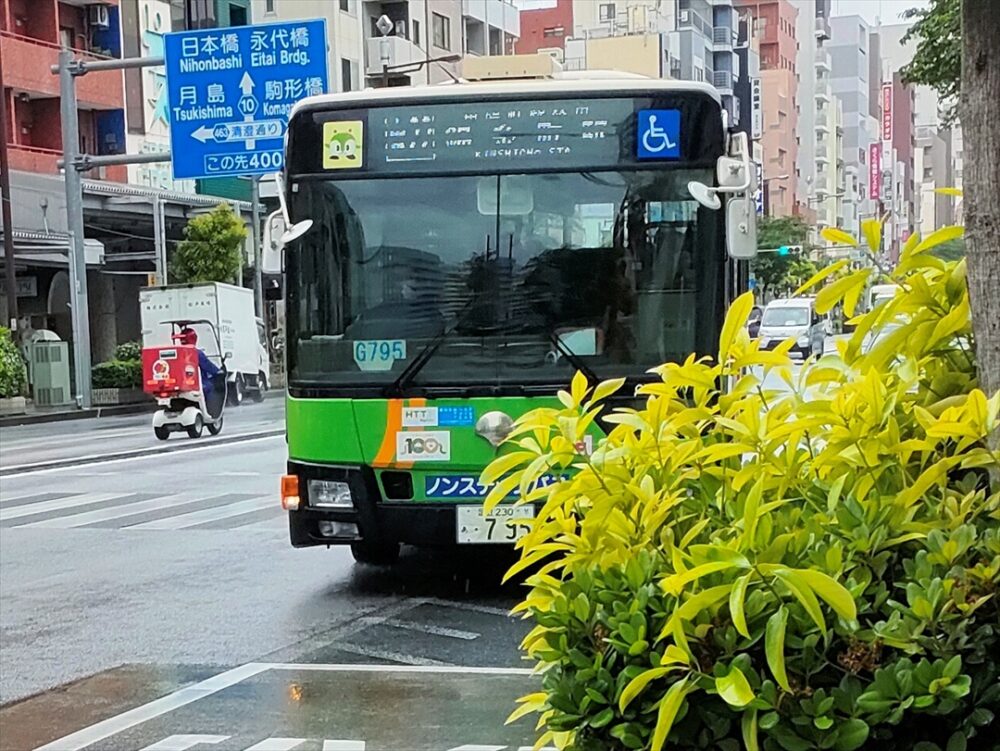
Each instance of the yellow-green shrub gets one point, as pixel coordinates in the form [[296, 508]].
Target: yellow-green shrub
[[742, 567]]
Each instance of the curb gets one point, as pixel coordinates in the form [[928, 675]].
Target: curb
[[202, 443], [12, 421]]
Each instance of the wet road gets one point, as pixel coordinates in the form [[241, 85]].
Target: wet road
[[96, 437], [152, 600]]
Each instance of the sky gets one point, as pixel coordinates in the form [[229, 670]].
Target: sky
[[888, 10]]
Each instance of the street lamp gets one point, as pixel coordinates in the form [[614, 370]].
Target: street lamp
[[384, 26]]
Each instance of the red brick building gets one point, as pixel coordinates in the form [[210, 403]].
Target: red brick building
[[32, 32], [543, 28]]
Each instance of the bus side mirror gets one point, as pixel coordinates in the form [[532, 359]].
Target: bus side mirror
[[273, 252], [741, 227]]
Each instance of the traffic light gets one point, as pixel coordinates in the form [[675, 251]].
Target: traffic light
[[786, 250], [783, 250]]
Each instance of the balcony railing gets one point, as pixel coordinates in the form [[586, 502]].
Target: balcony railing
[[724, 36], [27, 63], [33, 158], [722, 79]]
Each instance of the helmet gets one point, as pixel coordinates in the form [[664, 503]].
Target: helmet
[[187, 336]]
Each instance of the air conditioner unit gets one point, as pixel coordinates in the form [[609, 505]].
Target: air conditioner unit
[[98, 16]]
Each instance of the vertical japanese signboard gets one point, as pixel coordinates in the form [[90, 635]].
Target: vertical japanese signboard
[[875, 171], [756, 110], [231, 90], [887, 111]]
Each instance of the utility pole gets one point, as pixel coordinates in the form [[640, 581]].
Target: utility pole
[[74, 163], [258, 274], [74, 215], [10, 281]]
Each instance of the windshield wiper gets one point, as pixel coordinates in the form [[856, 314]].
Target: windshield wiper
[[410, 371], [573, 359]]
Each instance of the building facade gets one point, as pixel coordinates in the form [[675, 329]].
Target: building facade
[[850, 83], [545, 29], [775, 23]]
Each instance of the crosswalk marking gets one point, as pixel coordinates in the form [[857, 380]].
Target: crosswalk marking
[[115, 512], [183, 521], [83, 499], [145, 511]]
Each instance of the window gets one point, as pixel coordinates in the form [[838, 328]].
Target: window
[[269, 6], [67, 37], [346, 79], [442, 31], [606, 12], [237, 15], [554, 31], [345, 6], [416, 33]]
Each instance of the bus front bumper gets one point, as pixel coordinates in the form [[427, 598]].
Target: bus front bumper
[[370, 517]]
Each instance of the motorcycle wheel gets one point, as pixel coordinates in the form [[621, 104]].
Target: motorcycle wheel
[[162, 433], [215, 427], [194, 431]]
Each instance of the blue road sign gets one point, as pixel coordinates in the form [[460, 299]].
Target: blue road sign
[[658, 134], [230, 92]]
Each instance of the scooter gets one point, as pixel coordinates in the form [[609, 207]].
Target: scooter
[[172, 376]]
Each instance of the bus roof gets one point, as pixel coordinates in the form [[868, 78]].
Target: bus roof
[[574, 83]]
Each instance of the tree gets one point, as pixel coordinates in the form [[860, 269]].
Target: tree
[[212, 250], [774, 272], [938, 60], [979, 109]]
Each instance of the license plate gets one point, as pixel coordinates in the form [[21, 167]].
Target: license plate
[[503, 525]]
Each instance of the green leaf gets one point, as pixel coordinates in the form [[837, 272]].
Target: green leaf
[[675, 583], [957, 742], [667, 713], [827, 297], [872, 230], [736, 318], [822, 274], [736, 601], [751, 513], [939, 237], [606, 389], [748, 724], [734, 688], [602, 718], [838, 237], [831, 591], [851, 735], [637, 684], [692, 607], [801, 591], [774, 647]]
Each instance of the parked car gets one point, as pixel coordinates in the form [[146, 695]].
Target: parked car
[[794, 318]]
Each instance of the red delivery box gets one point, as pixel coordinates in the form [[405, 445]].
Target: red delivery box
[[169, 370]]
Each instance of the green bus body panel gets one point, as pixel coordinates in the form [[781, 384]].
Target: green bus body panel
[[348, 432]]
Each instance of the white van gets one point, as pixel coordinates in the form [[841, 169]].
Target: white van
[[795, 318], [878, 294]]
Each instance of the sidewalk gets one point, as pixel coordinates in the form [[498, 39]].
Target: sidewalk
[[36, 415]]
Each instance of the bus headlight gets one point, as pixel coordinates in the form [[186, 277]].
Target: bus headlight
[[330, 494], [802, 341]]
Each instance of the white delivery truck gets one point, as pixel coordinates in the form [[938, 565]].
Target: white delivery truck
[[230, 310]]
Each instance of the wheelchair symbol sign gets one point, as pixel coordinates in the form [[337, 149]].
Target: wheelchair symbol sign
[[658, 134]]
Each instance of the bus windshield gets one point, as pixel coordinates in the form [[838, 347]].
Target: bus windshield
[[502, 279]]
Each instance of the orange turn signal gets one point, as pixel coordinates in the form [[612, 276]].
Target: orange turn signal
[[290, 492]]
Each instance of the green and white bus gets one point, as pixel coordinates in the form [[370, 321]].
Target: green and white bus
[[458, 252]]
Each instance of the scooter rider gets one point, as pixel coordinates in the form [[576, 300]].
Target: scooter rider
[[208, 369]]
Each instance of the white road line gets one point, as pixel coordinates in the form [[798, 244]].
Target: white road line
[[184, 742], [329, 745], [278, 744], [116, 512], [118, 723], [58, 504], [453, 633], [323, 667], [182, 697], [210, 514], [389, 655], [470, 606], [202, 444]]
